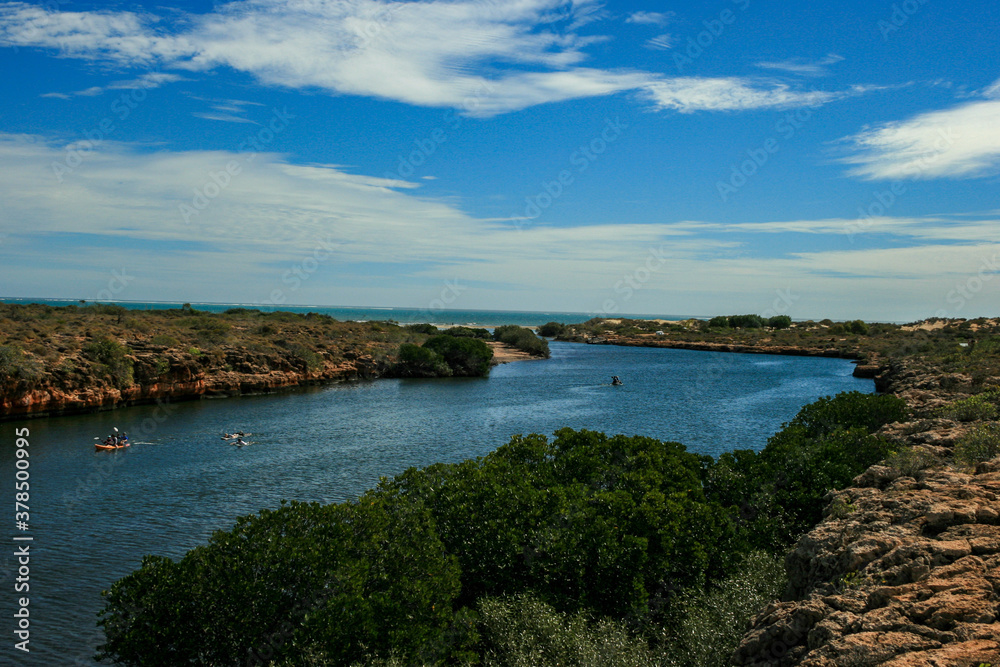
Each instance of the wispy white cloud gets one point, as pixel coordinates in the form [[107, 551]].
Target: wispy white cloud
[[226, 110], [484, 58], [688, 94], [956, 228], [660, 42], [224, 117], [651, 18], [803, 66], [961, 142], [145, 81]]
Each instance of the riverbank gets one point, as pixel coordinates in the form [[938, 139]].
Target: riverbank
[[956, 345], [505, 354], [73, 360], [904, 569]]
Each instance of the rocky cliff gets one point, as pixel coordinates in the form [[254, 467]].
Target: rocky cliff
[[164, 374], [904, 570]]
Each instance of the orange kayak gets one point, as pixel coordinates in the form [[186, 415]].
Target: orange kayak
[[106, 447]]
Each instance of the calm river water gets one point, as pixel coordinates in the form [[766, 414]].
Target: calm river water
[[94, 515]]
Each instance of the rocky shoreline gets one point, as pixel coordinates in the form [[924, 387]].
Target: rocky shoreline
[[238, 372], [904, 570], [188, 377]]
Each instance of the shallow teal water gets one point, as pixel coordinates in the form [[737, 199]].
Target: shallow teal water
[[94, 515]]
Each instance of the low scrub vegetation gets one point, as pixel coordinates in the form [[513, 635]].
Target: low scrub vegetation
[[911, 460], [16, 366], [982, 444], [973, 408], [102, 345], [112, 358], [523, 339]]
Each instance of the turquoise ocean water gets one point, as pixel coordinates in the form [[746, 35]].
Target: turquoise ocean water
[[486, 318]]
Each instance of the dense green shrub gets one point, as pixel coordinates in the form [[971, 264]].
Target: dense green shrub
[[419, 362], [720, 321], [857, 327], [980, 445], [746, 321], [551, 329], [465, 356], [213, 330], [113, 359], [849, 409], [443, 356], [779, 322], [586, 521], [466, 332], [779, 491], [422, 328], [522, 338], [334, 581]]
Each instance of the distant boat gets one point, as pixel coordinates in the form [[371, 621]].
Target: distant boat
[[615, 381]]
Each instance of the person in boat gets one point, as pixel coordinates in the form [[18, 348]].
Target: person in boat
[[239, 442], [615, 380]]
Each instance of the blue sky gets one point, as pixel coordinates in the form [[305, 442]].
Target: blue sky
[[816, 159]]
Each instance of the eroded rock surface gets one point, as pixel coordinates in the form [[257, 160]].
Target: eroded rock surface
[[904, 570], [179, 376]]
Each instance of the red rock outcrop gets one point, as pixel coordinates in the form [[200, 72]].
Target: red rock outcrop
[[185, 377]]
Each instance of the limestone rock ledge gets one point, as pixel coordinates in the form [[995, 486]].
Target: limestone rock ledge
[[903, 571], [188, 378]]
